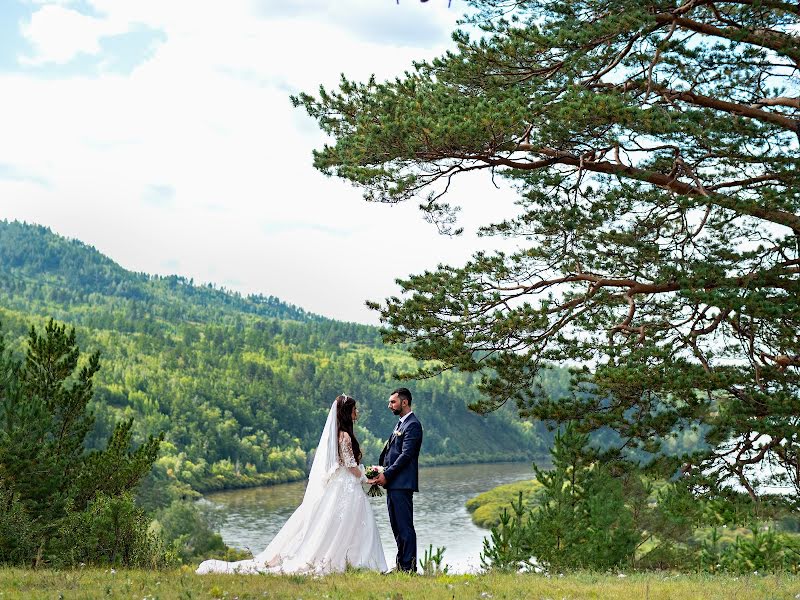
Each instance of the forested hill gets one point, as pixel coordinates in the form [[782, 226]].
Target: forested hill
[[240, 385], [74, 273]]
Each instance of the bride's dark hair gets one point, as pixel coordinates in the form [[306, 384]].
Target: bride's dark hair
[[344, 422]]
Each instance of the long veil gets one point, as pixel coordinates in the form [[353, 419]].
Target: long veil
[[326, 461], [326, 458]]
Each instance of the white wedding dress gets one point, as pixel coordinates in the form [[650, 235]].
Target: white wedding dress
[[333, 528]]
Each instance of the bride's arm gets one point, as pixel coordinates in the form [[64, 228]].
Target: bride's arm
[[346, 451]]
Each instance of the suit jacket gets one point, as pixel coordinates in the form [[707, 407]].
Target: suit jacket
[[400, 456]]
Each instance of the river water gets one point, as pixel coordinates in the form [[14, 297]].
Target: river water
[[253, 516]]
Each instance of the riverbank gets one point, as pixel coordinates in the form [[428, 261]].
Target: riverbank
[[220, 483], [487, 506], [183, 584], [249, 519]]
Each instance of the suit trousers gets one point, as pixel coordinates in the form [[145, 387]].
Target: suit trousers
[[401, 517]]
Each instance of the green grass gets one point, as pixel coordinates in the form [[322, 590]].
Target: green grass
[[184, 585]]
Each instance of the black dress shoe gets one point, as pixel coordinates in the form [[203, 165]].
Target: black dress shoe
[[408, 571]]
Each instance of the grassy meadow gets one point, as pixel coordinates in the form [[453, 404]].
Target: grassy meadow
[[184, 584]]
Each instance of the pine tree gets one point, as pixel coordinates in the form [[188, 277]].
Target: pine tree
[[46, 474], [508, 546], [581, 522], [654, 149]]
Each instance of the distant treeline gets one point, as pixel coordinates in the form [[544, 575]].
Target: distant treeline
[[239, 385]]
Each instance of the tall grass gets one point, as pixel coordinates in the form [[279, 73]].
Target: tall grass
[[185, 585]]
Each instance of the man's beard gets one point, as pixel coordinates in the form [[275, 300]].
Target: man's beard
[[397, 411]]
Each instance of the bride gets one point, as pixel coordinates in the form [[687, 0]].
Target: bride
[[334, 526]]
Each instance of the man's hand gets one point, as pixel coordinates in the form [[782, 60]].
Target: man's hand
[[380, 480]]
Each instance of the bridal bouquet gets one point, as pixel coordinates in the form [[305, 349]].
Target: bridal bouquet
[[371, 473]]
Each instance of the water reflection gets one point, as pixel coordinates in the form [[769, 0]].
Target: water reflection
[[254, 516]]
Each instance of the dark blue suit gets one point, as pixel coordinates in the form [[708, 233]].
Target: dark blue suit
[[400, 460]]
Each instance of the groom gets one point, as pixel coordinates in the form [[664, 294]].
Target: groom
[[400, 460]]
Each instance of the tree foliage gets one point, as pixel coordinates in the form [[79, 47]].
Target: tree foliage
[[581, 521], [593, 514], [62, 503], [654, 146]]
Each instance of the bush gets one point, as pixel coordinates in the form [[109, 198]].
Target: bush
[[16, 529], [187, 529], [763, 551], [110, 531]]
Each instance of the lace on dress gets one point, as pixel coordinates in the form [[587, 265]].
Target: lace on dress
[[346, 458]]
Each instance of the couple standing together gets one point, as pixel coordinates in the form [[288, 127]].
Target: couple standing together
[[334, 526]]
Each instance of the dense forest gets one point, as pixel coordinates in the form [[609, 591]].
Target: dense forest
[[239, 386]]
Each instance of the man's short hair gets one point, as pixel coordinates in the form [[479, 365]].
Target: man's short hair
[[403, 394]]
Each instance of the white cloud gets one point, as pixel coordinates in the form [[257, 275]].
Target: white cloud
[[59, 34], [377, 21], [196, 158]]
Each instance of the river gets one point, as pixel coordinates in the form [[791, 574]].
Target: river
[[253, 516]]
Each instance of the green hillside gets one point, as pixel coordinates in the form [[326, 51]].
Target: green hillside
[[240, 385]]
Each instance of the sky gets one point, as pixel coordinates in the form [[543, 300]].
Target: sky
[[161, 133]]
